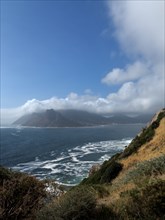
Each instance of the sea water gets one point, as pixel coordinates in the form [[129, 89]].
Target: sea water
[[63, 154]]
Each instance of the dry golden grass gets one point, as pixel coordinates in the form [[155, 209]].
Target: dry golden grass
[[150, 150], [114, 193]]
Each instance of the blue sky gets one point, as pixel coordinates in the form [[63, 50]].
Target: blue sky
[[52, 48], [92, 55]]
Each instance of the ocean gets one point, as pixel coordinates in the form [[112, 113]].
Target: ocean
[[63, 154]]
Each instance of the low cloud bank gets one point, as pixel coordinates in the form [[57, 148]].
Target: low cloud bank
[[114, 103]]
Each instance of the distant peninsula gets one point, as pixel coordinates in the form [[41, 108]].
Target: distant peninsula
[[76, 118]]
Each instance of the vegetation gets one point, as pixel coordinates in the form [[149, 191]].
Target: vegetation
[[147, 202], [100, 190], [79, 203], [20, 195], [146, 135], [146, 169], [76, 204], [108, 171]]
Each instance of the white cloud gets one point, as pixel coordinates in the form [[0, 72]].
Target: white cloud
[[128, 99], [72, 101], [139, 26], [140, 32], [131, 72]]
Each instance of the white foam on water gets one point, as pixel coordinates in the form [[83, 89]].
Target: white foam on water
[[56, 171], [70, 167], [49, 165]]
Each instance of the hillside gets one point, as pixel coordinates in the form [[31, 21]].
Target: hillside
[[130, 185], [75, 118], [134, 180]]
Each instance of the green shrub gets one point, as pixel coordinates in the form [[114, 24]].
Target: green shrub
[[138, 141], [108, 171], [20, 195], [111, 172], [148, 202], [5, 174], [145, 170], [78, 204], [104, 212], [161, 115]]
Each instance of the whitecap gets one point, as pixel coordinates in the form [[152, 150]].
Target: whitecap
[[70, 167]]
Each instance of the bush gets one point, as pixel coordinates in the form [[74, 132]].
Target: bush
[[109, 170], [145, 170], [148, 202], [78, 204], [20, 195], [138, 141], [5, 174], [104, 213]]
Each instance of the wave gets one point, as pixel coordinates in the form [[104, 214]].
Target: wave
[[71, 166]]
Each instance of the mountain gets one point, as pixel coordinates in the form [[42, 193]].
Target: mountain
[[125, 119], [61, 118], [75, 118]]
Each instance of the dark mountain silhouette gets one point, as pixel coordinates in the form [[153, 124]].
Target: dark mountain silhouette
[[61, 118], [75, 118]]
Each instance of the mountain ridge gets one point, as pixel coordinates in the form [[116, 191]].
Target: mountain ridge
[[75, 118]]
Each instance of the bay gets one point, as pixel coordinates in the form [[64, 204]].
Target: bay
[[63, 154]]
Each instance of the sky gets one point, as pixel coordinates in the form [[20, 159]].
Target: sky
[[99, 56]]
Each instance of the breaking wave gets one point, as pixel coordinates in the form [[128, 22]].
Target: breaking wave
[[72, 165]]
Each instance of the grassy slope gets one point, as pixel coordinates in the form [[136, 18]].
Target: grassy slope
[[140, 186], [147, 152]]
